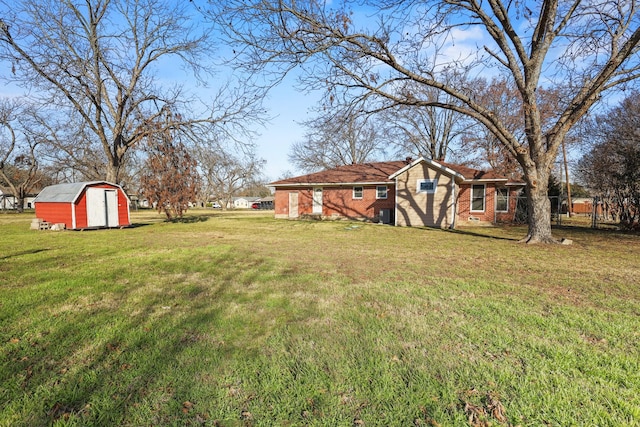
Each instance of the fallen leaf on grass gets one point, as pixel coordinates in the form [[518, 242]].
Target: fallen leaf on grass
[[476, 415], [495, 408]]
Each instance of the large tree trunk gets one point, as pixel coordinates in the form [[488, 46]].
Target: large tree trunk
[[539, 209], [112, 173], [20, 204]]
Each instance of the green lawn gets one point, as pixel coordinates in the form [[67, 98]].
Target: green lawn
[[242, 320]]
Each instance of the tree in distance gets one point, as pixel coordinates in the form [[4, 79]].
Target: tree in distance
[[611, 167], [336, 139], [20, 169]]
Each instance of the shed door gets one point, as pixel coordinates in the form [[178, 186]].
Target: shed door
[[111, 200], [102, 207], [293, 205]]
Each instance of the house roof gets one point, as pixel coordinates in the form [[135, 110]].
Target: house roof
[[383, 173], [65, 193], [362, 173]]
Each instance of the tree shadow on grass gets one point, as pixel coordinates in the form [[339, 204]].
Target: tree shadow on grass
[[17, 254], [477, 234], [190, 219]]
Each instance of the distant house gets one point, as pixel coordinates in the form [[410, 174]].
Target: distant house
[[405, 193], [243, 202], [9, 202], [584, 206], [263, 203], [81, 205]]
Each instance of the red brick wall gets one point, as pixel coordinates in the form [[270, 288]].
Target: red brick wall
[[281, 202], [489, 214], [337, 201]]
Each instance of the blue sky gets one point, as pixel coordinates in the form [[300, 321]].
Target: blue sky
[[289, 108]]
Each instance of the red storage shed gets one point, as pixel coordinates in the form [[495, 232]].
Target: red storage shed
[[79, 205]]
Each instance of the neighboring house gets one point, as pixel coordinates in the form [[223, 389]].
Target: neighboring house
[[263, 203], [405, 193], [8, 200], [584, 206], [243, 202], [80, 205]]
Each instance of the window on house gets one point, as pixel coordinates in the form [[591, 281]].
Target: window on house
[[477, 198], [381, 192], [502, 199], [427, 186], [357, 192]]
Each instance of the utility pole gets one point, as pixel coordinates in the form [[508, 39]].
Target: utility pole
[[566, 170]]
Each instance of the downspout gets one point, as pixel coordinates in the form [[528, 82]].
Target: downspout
[[395, 205], [453, 204]]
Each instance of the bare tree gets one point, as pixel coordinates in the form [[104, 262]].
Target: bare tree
[[225, 172], [429, 132], [611, 167], [581, 49], [97, 64], [335, 139], [19, 159], [502, 98]]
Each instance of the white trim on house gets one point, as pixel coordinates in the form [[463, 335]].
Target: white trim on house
[[433, 164], [331, 184], [386, 192], [482, 181]]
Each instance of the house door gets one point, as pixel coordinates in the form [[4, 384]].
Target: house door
[[317, 200], [293, 205]]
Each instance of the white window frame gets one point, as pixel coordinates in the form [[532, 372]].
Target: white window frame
[[386, 192], [484, 198], [432, 191], [498, 189], [361, 192]]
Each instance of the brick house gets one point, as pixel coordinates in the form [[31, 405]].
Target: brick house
[[405, 193]]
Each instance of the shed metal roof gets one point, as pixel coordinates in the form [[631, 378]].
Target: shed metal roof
[[65, 193]]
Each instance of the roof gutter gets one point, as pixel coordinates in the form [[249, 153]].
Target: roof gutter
[[330, 184], [473, 181]]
